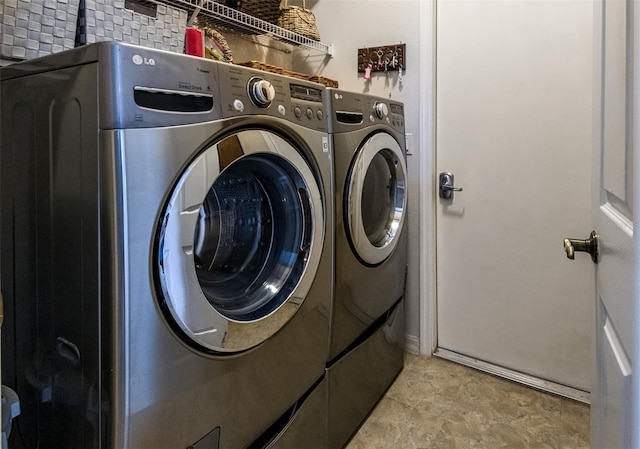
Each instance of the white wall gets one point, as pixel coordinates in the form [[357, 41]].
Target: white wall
[[353, 24]]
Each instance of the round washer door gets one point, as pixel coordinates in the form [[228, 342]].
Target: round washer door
[[240, 241], [375, 200]]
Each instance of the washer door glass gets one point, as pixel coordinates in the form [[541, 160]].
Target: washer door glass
[[376, 200], [240, 241]]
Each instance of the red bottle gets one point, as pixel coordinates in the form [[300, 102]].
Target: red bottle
[[194, 42]]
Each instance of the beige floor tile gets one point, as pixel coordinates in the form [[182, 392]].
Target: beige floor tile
[[437, 404], [575, 422], [396, 425]]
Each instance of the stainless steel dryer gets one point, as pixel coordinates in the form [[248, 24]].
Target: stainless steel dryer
[[166, 251], [367, 318]]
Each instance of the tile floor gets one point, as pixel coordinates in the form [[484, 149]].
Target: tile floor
[[437, 404]]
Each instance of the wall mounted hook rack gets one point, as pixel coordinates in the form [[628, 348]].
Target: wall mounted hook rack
[[384, 58]]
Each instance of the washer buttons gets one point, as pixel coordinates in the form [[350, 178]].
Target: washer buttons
[[297, 112], [238, 105], [309, 113], [281, 109], [319, 114]]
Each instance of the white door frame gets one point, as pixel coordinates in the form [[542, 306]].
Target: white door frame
[[428, 317]]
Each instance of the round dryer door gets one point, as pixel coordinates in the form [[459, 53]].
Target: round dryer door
[[240, 241], [375, 198]]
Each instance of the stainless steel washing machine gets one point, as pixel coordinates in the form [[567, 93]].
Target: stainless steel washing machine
[[166, 250], [367, 318]]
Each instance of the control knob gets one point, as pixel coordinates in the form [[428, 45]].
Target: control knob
[[381, 109], [261, 92]]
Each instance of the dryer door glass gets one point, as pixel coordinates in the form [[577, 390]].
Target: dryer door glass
[[378, 197], [376, 200], [241, 241]]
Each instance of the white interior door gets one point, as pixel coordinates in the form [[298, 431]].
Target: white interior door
[[514, 126], [615, 422]]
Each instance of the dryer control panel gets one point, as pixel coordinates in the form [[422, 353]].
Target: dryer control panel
[[349, 111], [246, 91]]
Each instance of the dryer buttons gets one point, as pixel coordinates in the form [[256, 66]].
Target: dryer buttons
[[319, 114], [238, 105], [281, 109], [297, 112], [309, 113]]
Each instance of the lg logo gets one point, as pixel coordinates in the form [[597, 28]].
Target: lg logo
[[139, 60]]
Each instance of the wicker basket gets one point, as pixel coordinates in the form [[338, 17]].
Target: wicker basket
[[267, 10], [324, 81], [279, 70], [299, 20], [37, 28]]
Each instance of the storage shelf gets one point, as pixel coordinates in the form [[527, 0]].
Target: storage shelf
[[237, 19]]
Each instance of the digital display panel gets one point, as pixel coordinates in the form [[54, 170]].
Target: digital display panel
[[395, 108], [305, 93]]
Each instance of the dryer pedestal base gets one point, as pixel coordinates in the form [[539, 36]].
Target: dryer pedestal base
[[359, 379]]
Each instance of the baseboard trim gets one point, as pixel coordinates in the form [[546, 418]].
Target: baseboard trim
[[525, 379], [412, 344]]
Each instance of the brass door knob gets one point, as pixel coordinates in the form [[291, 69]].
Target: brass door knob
[[589, 245]]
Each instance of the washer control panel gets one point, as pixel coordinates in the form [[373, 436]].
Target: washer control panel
[[246, 91], [261, 92]]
